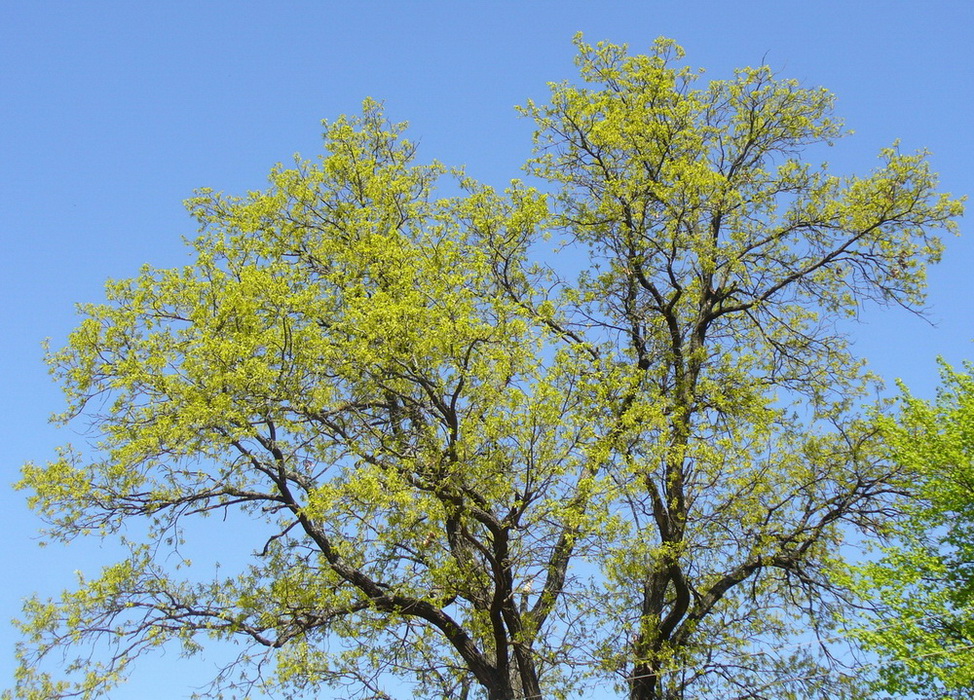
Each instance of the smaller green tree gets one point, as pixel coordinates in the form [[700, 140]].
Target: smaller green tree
[[924, 631]]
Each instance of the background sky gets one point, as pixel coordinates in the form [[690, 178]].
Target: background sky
[[112, 113]]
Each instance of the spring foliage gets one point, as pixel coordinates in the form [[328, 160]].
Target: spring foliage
[[924, 629], [479, 466]]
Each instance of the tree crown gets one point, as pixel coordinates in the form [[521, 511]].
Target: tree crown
[[469, 464]]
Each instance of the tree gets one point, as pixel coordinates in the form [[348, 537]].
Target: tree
[[472, 466], [924, 629]]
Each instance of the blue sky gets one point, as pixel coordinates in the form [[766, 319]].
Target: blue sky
[[112, 113]]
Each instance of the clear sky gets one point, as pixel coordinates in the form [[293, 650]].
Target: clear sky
[[112, 113]]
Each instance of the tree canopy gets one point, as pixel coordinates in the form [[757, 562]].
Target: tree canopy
[[476, 462], [924, 629]]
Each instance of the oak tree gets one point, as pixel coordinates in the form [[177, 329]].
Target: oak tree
[[481, 464]]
